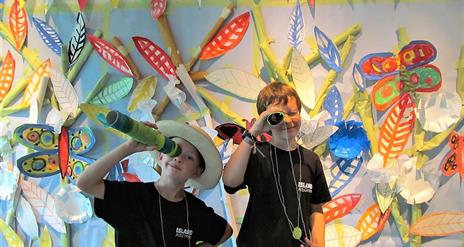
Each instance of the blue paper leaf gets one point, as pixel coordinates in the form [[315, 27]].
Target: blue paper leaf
[[26, 219], [358, 77], [334, 105], [328, 51], [77, 42], [343, 171], [48, 35], [296, 28]]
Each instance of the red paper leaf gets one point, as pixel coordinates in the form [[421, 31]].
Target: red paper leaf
[[110, 55], [397, 128], [7, 72], [340, 206], [82, 4], [227, 38], [18, 24], [155, 56], [129, 177], [157, 8]]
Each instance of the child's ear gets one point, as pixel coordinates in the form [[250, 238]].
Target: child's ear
[[160, 157]]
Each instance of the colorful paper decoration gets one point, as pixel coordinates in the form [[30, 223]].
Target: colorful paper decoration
[[237, 82], [35, 81], [157, 8], [82, 4], [72, 206], [18, 24], [342, 172], [417, 53], [396, 129], [43, 205], [412, 185], [349, 140], [46, 161], [155, 56], [111, 55], [48, 34], [12, 239], [333, 104], [7, 72], [338, 234], [371, 222], [144, 90], [437, 112], [230, 131], [439, 224], [113, 92], [77, 41], [26, 219], [296, 31], [45, 238], [454, 159], [8, 180], [303, 79], [384, 193], [328, 50], [65, 93], [340, 206], [227, 38], [376, 66]]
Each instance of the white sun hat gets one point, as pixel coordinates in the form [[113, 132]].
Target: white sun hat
[[203, 143]]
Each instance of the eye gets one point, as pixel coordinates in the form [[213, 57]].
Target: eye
[[189, 157]]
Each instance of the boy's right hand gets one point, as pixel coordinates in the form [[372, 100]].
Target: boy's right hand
[[134, 146], [261, 125]]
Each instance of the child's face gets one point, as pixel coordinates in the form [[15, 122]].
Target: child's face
[[292, 120], [184, 166]]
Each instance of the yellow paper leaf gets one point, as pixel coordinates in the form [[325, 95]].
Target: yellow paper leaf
[[45, 239], [10, 236], [109, 238], [92, 111], [144, 91]]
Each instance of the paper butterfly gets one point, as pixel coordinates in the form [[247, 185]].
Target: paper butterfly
[[453, 162]]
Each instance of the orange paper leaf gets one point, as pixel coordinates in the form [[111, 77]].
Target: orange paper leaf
[[371, 221], [227, 38], [7, 72], [34, 82], [397, 128], [340, 206], [439, 224], [18, 24]]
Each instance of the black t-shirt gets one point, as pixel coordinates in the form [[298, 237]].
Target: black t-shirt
[[265, 223], [133, 210]]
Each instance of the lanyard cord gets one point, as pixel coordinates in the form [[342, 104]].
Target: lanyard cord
[[162, 222]]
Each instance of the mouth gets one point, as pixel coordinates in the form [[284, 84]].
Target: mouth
[[174, 166]]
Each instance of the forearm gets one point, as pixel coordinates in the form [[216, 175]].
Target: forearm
[[91, 180], [317, 222], [234, 171], [227, 234]]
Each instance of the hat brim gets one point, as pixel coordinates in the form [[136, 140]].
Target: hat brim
[[203, 143]]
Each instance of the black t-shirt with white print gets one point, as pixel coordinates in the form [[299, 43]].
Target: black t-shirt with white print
[[265, 223], [133, 210]]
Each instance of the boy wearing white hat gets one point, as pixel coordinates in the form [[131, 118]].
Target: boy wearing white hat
[[161, 213]]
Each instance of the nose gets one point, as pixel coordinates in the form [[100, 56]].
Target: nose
[[177, 159]]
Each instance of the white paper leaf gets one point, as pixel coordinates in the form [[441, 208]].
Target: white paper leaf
[[65, 93], [26, 219], [43, 205], [302, 78], [337, 234], [237, 82]]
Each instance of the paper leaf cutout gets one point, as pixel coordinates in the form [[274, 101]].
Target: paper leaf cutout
[[384, 193], [439, 224], [144, 90], [34, 82], [370, 222], [115, 3], [45, 238], [296, 32], [26, 219], [327, 50], [358, 78], [49, 36], [303, 79], [77, 41], [397, 128], [333, 104], [111, 55], [337, 234], [155, 56], [65, 93], [342, 172], [227, 38], [7, 72], [82, 4], [237, 82], [18, 23], [12, 239], [43, 204], [113, 92], [340, 206], [157, 8]]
